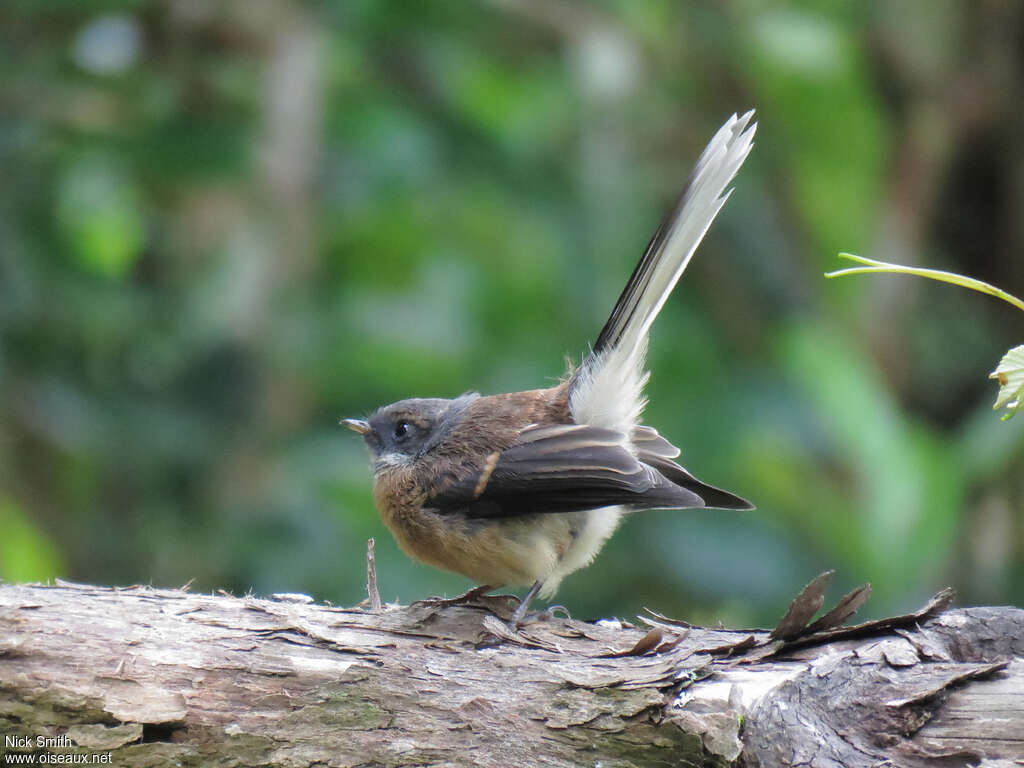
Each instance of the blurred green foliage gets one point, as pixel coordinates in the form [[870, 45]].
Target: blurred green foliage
[[225, 225]]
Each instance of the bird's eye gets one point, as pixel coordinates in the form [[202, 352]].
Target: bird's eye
[[401, 429]]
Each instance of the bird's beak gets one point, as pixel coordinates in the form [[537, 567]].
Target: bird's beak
[[357, 425]]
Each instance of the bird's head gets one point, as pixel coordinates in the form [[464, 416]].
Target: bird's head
[[400, 433]]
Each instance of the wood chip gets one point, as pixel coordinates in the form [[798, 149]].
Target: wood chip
[[645, 644], [850, 603], [803, 608]]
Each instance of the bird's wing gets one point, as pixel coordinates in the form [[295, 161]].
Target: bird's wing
[[655, 451], [647, 440], [566, 468], [713, 497]]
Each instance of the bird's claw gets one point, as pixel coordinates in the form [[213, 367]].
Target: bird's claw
[[517, 622]]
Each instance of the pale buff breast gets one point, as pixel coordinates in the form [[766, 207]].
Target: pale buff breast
[[508, 552]]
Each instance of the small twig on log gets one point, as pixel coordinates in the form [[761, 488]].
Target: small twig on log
[[371, 578]]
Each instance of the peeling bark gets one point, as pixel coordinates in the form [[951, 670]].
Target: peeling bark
[[165, 677]]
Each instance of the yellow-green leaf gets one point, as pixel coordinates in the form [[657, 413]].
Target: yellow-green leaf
[[1010, 374]]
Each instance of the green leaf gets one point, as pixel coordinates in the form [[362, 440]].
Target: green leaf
[[1010, 374]]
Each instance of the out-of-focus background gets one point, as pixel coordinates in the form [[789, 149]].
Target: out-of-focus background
[[224, 225]]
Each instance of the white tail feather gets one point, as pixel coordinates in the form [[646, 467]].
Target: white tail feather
[[608, 389]]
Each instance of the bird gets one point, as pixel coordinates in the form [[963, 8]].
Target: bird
[[524, 488]]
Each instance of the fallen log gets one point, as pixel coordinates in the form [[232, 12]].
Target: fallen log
[[143, 676]]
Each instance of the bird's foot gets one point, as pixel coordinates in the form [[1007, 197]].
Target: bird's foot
[[517, 621]]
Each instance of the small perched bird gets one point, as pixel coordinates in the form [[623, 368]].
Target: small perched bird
[[525, 488]]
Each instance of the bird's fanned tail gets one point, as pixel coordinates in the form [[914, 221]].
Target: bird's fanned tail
[[607, 389]]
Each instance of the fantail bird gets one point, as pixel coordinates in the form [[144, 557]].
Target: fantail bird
[[525, 488]]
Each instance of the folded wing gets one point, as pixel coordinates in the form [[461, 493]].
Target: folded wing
[[572, 467]]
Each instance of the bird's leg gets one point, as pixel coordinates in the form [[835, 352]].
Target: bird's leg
[[520, 614], [521, 617]]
